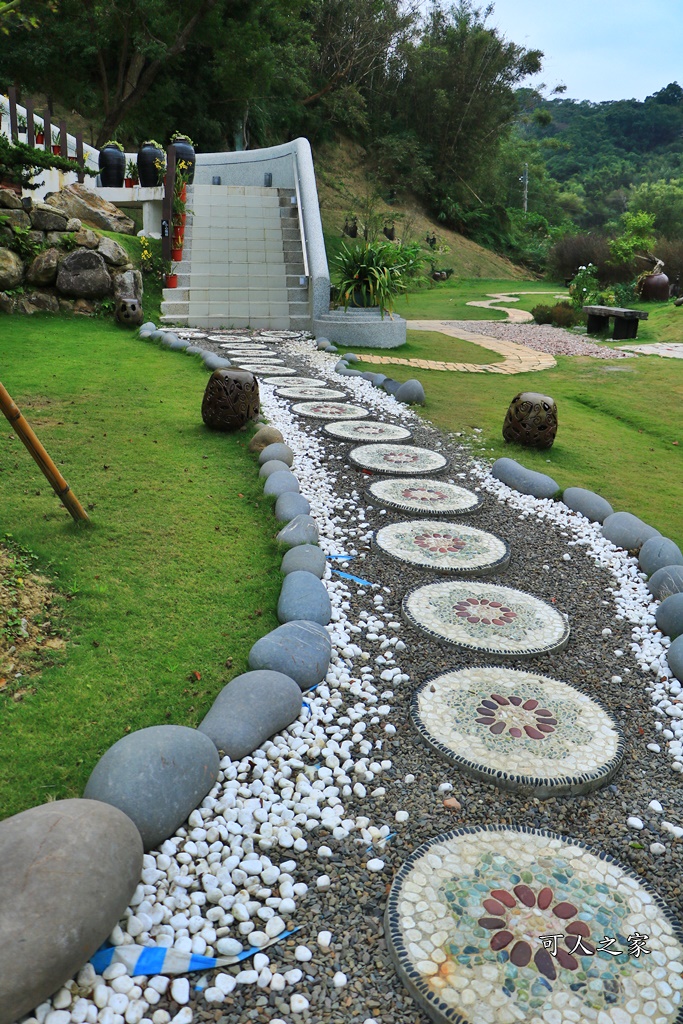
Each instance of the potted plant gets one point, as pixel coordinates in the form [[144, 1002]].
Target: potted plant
[[374, 274], [151, 163], [56, 145], [131, 177], [112, 164], [22, 128], [40, 134], [184, 151], [171, 275]]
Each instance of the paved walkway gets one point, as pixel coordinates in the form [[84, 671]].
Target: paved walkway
[[516, 316], [518, 358], [673, 350]]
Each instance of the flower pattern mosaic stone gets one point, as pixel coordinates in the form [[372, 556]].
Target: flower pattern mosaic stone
[[260, 357], [519, 730], [498, 925], [330, 410], [487, 618], [444, 547], [428, 497], [255, 353], [368, 431], [268, 368], [321, 393], [397, 459], [296, 382]]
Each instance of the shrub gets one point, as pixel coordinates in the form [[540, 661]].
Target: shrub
[[565, 315], [542, 314], [626, 294], [573, 251]]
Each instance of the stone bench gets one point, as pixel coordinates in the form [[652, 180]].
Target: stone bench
[[625, 320]]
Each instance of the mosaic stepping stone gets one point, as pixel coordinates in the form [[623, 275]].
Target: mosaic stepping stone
[[232, 351], [486, 618], [297, 382], [428, 497], [330, 410], [367, 430], [444, 547], [268, 368], [322, 394], [519, 730], [499, 924], [397, 459], [258, 357]]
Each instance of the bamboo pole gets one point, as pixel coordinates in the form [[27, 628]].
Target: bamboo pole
[[50, 471]]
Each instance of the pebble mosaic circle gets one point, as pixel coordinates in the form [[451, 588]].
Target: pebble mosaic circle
[[444, 547], [257, 357], [519, 730], [397, 459], [429, 497], [499, 925], [296, 382], [486, 618], [321, 393], [268, 368], [368, 431], [265, 352], [330, 410]]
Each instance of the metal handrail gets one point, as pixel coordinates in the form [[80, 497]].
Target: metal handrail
[[302, 229]]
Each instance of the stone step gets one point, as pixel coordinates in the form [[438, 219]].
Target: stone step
[[174, 321], [297, 294], [299, 309], [300, 323], [175, 308]]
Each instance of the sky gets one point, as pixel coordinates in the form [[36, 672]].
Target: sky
[[599, 49]]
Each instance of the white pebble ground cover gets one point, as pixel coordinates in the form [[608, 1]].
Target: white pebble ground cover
[[228, 879]]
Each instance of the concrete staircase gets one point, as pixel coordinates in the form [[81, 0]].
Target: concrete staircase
[[242, 261]]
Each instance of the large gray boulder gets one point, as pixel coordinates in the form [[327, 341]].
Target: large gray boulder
[[43, 270], [156, 776], [674, 656], [526, 481], [591, 505], [657, 553], [11, 270], [9, 200], [301, 649], [411, 392], [46, 218], [390, 385], [290, 505], [666, 581], [127, 283], [215, 362], [84, 203], [69, 869], [279, 451], [250, 709], [281, 482], [304, 596], [112, 252], [304, 558], [83, 275], [669, 616], [348, 372], [627, 531], [300, 530]]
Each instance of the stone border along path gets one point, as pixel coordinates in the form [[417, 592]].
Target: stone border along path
[[353, 777]]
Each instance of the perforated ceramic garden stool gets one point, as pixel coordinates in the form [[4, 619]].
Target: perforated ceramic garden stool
[[231, 399]]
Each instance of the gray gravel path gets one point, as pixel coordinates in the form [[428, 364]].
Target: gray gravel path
[[541, 337]]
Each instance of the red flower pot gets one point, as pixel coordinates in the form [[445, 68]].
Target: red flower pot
[[40, 138], [177, 254], [128, 182], [57, 150], [171, 280]]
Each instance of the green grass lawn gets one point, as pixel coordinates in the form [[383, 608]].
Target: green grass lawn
[[447, 300], [177, 573], [432, 345], [618, 419]]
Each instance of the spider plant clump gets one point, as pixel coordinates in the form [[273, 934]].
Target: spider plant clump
[[375, 273]]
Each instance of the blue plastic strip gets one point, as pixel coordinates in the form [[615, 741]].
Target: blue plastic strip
[[102, 958], [356, 579], [197, 963], [151, 961], [342, 558]]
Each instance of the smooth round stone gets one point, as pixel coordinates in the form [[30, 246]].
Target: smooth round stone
[[250, 709], [321, 394], [157, 335], [300, 649], [289, 505], [469, 913], [265, 436], [341, 365], [348, 372], [367, 430], [279, 451], [486, 618], [428, 497], [666, 581], [156, 776], [274, 466], [214, 362], [304, 557], [398, 459], [375, 378], [591, 505], [301, 529], [444, 547], [322, 343], [521, 731], [351, 357], [674, 657], [330, 410], [145, 333], [148, 326], [411, 392], [194, 350], [390, 385], [526, 481], [281, 482], [659, 553], [304, 596], [69, 870], [627, 531], [669, 616]]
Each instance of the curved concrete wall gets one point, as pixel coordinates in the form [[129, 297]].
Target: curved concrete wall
[[290, 165]]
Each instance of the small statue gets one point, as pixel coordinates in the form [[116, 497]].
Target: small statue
[[231, 399], [531, 420], [128, 311]]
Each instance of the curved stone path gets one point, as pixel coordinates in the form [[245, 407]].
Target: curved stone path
[[515, 316]]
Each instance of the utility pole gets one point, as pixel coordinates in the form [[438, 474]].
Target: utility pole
[[525, 182]]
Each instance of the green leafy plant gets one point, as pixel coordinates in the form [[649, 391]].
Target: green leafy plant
[[132, 171], [153, 142], [20, 163], [113, 144], [179, 137], [68, 242], [542, 314], [21, 242], [376, 273], [585, 288]]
